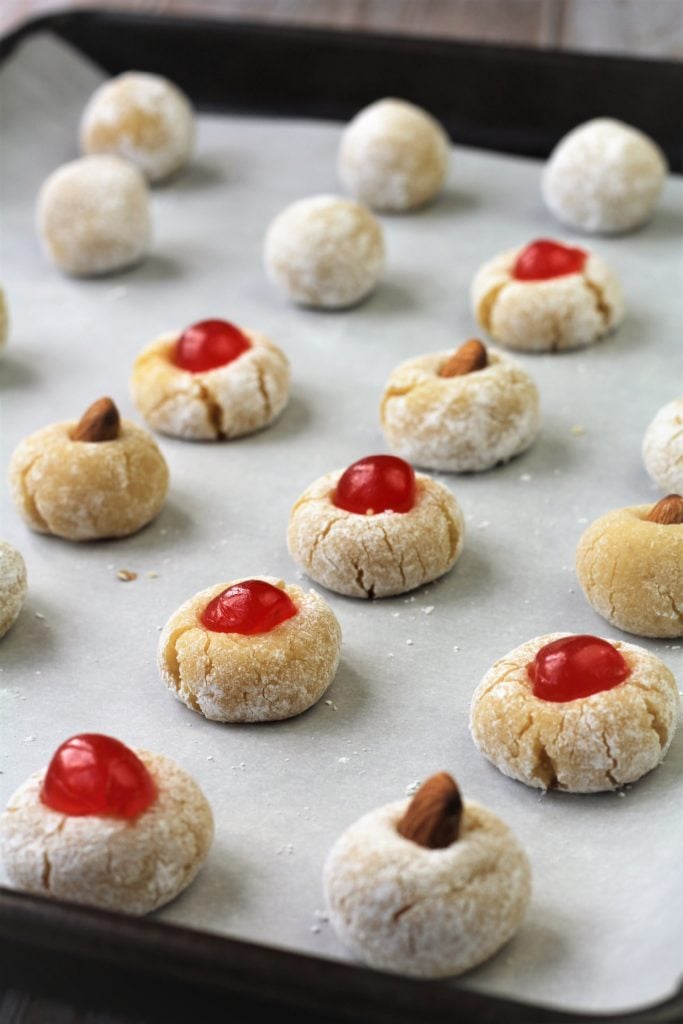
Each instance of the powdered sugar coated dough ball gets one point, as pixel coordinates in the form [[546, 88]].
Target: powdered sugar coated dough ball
[[393, 155], [93, 216], [604, 176], [325, 251], [142, 118]]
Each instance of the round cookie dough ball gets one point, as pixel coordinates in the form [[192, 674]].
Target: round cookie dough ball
[[407, 895], [12, 585], [381, 551], [604, 176], [211, 382], [4, 320], [255, 650], [460, 412], [630, 566], [324, 252], [546, 297], [142, 118], [663, 447], [587, 744], [98, 477], [93, 216], [107, 858], [393, 156]]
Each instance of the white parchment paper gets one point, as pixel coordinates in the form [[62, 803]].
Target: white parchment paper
[[605, 929]]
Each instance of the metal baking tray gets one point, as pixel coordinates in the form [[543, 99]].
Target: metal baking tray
[[273, 98]]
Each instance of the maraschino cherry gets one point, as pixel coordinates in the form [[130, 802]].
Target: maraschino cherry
[[94, 774], [209, 344], [576, 666], [544, 259], [250, 607], [378, 483]]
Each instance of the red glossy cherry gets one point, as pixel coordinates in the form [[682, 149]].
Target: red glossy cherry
[[95, 774], [252, 606], [378, 483], [209, 344], [576, 666], [544, 259]]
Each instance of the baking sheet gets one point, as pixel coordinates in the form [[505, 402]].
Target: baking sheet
[[604, 929]]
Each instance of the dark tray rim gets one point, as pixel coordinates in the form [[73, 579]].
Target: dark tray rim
[[109, 960]]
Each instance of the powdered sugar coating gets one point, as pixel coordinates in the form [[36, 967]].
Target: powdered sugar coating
[[393, 155], [604, 176], [266, 677], [132, 866], [84, 490], [142, 118], [463, 423], [93, 216], [229, 401], [12, 585], [585, 745], [663, 447], [375, 555], [631, 571], [428, 913], [325, 251], [546, 316]]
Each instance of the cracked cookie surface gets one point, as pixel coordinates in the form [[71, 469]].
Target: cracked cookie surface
[[428, 913], [85, 491], [463, 423], [375, 555], [631, 571], [228, 677], [245, 395], [132, 866], [586, 745], [546, 316]]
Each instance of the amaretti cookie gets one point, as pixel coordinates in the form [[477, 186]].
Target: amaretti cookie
[[429, 887], [325, 252], [630, 565], [393, 155], [663, 447], [211, 381], [97, 477], [375, 529], [254, 650], [94, 217], [546, 297], [106, 826], [577, 713], [143, 118], [460, 411], [604, 176], [12, 585]]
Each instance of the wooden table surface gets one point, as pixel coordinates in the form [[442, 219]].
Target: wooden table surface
[[652, 28]]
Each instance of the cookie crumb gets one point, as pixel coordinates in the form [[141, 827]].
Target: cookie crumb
[[126, 575]]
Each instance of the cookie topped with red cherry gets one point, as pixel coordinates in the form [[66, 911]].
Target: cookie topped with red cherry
[[211, 381], [375, 529], [547, 296]]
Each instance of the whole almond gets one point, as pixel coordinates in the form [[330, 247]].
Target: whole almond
[[99, 422], [469, 357], [433, 815], [668, 511]]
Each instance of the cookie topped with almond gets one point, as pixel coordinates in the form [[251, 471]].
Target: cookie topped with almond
[[461, 411], [429, 887]]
